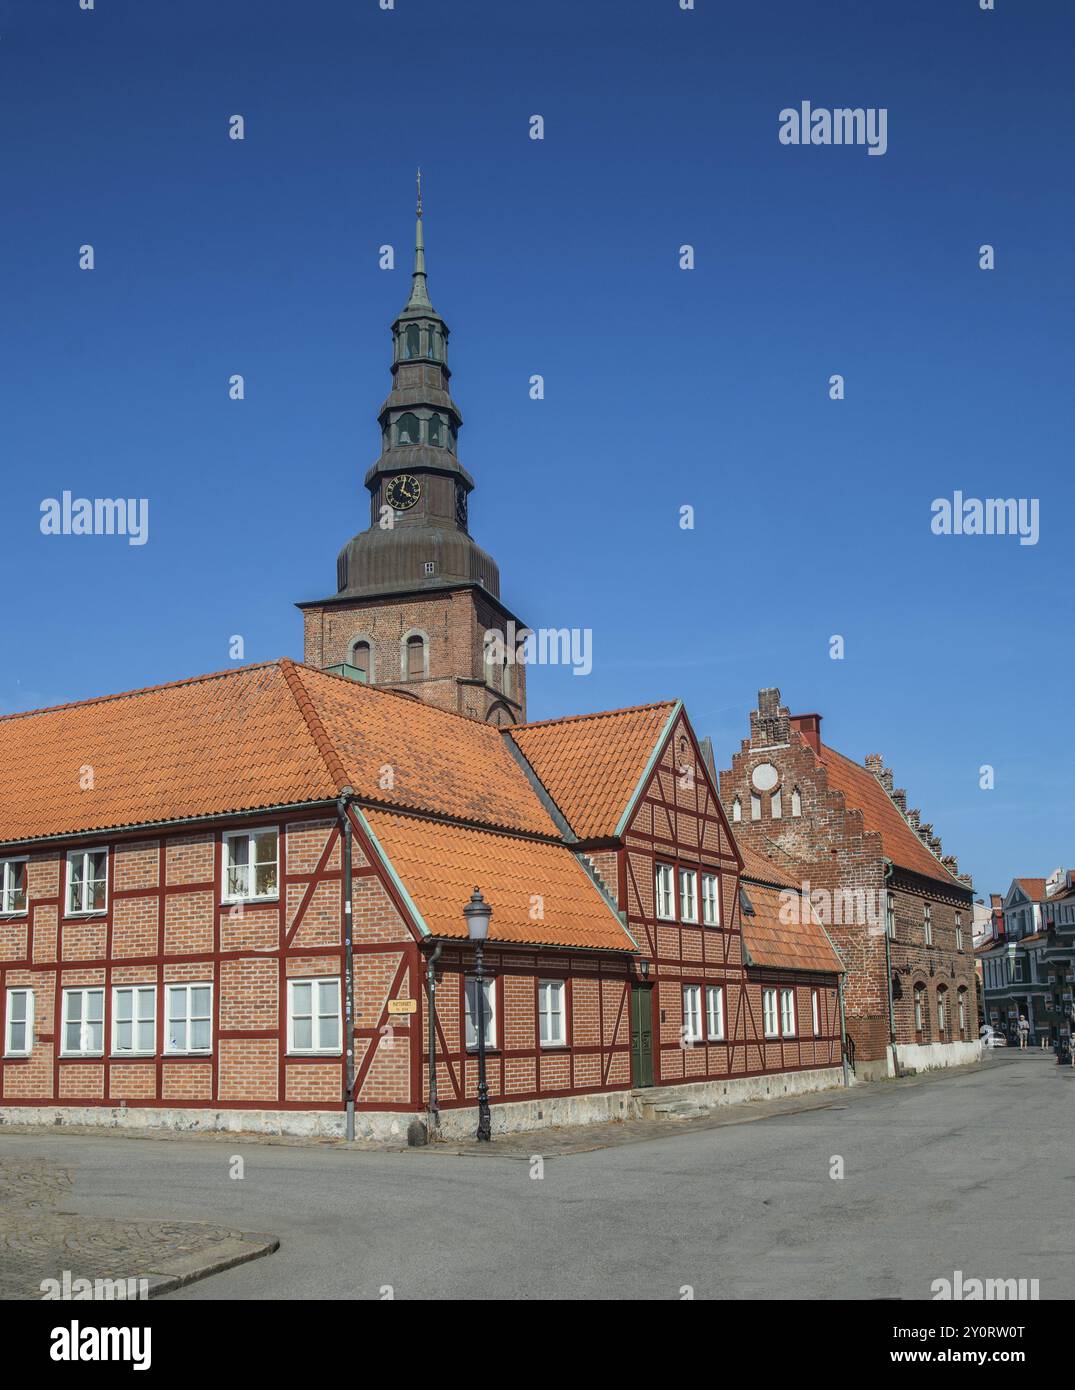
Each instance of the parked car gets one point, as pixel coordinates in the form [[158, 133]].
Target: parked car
[[992, 1039]]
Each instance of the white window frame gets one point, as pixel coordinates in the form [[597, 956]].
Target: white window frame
[[815, 1011], [737, 810], [186, 987], [959, 931], [688, 895], [927, 923], [66, 1020], [137, 992], [469, 1029], [714, 1012], [788, 1021], [692, 1015], [85, 855], [7, 886], [317, 1048], [227, 840], [769, 1014], [711, 900], [27, 1022], [961, 1003], [920, 1002], [665, 892], [552, 1013], [890, 915], [942, 1011]]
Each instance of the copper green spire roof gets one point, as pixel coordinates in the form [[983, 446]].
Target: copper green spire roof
[[419, 299]]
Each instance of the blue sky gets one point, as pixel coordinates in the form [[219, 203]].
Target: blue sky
[[664, 387]]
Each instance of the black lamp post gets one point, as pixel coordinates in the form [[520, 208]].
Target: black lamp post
[[477, 913]]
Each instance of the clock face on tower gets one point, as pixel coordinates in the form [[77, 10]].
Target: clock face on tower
[[402, 491]]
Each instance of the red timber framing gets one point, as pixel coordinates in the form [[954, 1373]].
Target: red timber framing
[[677, 820], [166, 923]]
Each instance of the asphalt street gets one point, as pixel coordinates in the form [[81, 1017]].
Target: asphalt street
[[961, 1171]]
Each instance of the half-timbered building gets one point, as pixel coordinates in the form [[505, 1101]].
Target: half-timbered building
[[172, 935]]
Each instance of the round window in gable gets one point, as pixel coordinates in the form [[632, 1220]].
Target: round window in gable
[[764, 777]]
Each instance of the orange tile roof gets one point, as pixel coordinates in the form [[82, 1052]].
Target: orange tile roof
[[1034, 888], [231, 741], [863, 792], [440, 864], [759, 866], [246, 739], [443, 763], [591, 763], [795, 945]]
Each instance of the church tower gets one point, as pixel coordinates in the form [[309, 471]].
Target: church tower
[[416, 595]]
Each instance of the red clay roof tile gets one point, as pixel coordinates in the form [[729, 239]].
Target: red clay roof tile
[[592, 763]]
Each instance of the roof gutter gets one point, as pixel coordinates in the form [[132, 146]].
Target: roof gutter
[[156, 826]]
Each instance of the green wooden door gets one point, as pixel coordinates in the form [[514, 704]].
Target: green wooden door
[[641, 1036]]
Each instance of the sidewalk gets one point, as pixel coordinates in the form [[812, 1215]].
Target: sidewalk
[[40, 1241]]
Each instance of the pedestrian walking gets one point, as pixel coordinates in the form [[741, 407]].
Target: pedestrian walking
[[1024, 1032]]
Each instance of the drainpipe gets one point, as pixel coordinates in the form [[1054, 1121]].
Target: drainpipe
[[888, 977], [431, 989], [843, 1030], [348, 961]]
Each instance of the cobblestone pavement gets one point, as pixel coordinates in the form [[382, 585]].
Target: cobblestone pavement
[[41, 1238]]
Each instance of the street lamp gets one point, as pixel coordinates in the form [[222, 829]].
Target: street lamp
[[477, 913]]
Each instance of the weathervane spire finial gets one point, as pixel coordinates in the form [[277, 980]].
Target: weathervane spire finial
[[419, 192]]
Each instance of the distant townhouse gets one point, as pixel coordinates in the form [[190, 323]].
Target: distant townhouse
[[181, 943], [897, 908], [1029, 968]]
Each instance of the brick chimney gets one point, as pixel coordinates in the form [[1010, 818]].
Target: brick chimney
[[809, 726], [769, 722]]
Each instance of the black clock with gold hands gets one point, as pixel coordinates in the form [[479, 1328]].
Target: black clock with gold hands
[[403, 491]]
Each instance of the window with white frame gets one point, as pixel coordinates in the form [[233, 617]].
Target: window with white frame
[[711, 900], [692, 1014], [134, 1019], [768, 1005], [919, 1012], [313, 1015], [12, 885], [962, 998], [489, 1000], [19, 1023], [815, 1011], [737, 810], [87, 880], [787, 1012], [959, 931], [890, 916], [552, 1013], [188, 1020], [83, 1023], [927, 922], [688, 895], [666, 904], [942, 1010], [250, 865], [714, 1008]]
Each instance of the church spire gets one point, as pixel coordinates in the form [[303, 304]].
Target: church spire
[[419, 294]]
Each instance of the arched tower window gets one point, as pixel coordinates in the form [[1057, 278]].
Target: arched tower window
[[437, 430], [434, 342], [362, 658], [412, 341], [408, 429], [796, 802], [737, 809], [414, 656]]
